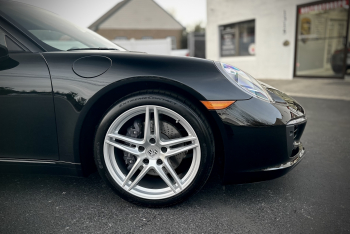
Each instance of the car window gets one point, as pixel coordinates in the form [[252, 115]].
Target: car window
[[50, 30], [58, 40]]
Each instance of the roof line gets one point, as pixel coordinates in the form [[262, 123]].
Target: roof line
[[108, 14], [169, 14], [117, 7]]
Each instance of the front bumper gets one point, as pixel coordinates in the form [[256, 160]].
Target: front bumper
[[263, 153], [293, 162], [265, 174], [262, 140]]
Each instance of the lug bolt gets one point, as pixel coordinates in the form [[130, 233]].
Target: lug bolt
[[152, 140], [145, 161], [164, 149], [159, 162], [141, 148]]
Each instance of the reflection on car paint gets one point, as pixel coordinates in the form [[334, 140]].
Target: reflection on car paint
[[254, 112]]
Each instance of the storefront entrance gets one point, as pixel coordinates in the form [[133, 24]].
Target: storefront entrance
[[322, 45]]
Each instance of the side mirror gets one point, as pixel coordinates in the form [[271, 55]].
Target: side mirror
[[4, 53]]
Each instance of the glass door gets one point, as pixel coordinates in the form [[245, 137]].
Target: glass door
[[321, 44]]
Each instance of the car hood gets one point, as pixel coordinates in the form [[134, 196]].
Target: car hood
[[282, 98]]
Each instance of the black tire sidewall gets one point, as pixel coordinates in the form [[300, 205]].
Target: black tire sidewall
[[196, 120], [337, 67]]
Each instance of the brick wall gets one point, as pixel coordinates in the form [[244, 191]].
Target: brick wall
[[111, 34]]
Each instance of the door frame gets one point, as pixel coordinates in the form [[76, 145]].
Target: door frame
[[296, 41]]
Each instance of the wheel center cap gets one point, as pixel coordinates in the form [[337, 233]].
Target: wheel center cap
[[152, 151]]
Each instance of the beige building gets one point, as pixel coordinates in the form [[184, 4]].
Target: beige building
[[139, 19]]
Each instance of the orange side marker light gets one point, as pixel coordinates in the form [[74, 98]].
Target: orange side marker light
[[217, 105]]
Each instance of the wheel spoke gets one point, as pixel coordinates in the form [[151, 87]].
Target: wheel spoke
[[126, 139], [177, 141], [173, 174], [181, 149], [126, 148], [165, 178], [139, 176], [156, 124], [136, 166], [147, 130]]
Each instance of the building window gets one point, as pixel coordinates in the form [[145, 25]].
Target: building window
[[237, 39], [321, 48], [121, 38], [173, 42], [147, 38]]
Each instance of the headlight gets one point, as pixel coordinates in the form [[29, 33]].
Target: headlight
[[244, 80]]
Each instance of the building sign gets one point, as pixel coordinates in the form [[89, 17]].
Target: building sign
[[305, 29], [228, 37], [251, 49], [324, 6]]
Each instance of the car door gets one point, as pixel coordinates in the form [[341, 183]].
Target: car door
[[27, 115]]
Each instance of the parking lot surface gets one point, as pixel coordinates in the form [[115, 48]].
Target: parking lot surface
[[313, 198]]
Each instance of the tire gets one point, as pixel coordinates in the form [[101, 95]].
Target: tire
[[154, 166], [337, 63]]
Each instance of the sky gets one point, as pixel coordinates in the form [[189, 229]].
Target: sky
[[85, 12]]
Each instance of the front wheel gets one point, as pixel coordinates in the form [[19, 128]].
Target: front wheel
[[154, 149]]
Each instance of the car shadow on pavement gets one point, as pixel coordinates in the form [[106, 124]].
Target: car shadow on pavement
[[94, 189]]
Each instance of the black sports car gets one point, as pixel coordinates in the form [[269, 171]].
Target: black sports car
[[72, 101]]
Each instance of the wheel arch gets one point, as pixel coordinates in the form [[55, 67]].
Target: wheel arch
[[96, 107]]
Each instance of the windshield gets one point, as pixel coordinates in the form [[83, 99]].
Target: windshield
[[51, 31]]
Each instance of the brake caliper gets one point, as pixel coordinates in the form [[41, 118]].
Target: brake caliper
[[134, 131]]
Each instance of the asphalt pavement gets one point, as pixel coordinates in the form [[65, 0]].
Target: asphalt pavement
[[335, 89], [313, 198]]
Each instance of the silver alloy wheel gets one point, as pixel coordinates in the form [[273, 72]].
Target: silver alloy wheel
[[148, 154]]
